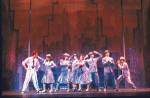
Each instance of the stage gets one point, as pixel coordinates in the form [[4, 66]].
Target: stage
[[142, 92]]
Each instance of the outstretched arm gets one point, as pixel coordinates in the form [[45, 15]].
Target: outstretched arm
[[99, 55], [40, 58]]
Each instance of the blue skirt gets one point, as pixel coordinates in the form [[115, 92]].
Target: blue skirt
[[64, 76], [48, 77]]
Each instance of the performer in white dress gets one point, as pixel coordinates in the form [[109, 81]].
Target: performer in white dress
[[48, 77], [65, 73], [84, 78]]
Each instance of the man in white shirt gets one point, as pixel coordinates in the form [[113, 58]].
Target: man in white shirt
[[32, 65]]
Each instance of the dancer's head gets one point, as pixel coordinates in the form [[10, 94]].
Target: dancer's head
[[35, 54], [91, 54], [122, 59], [66, 56], [49, 57], [107, 53], [75, 56], [81, 57]]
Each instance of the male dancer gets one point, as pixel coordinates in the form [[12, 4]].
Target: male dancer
[[108, 70], [93, 68], [125, 73], [32, 65]]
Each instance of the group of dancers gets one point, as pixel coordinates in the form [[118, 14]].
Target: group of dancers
[[87, 75]]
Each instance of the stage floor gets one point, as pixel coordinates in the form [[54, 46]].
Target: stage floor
[[143, 92]]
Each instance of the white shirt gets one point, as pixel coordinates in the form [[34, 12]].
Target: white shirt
[[29, 62]]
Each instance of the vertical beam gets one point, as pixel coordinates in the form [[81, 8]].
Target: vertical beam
[[29, 30], [123, 31]]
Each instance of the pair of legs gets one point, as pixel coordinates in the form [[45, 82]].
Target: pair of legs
[[44, 87], [95, 79], [58, 85], [88, 86], [30, 73], [106, 77], [128, 81]]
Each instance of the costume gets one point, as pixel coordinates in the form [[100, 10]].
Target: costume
[[92, 62], [48, 76], [125, 74], [64, 76], [84, 78], [74, 74], [108, 62], [32, 65]]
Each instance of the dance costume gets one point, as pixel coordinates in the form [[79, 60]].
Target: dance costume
[[64, 76], [108, 62], [33, 64], [84, 78], [74, 74], [48, 76], [92, 62], [125, 74]]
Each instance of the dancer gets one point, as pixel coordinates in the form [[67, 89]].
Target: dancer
[[48, 76], [64, 76], [32, 65], [84, 78], [92, 62], [74, 74], [108, 62], [125, 73]]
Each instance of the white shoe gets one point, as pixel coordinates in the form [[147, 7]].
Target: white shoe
[[68, 90], [22, 92], [51, 91], [104, 89], [87, 90]]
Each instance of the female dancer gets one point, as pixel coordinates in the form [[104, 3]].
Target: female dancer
[[48, 75], [125, 73], [84, 78], [64, 76], [74, 74]]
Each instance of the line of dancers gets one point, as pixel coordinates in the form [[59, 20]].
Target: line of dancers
[[80, 73]]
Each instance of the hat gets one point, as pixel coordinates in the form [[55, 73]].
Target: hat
[[122, 58], [66, 54], [74, 54], [90, 53], [48, 54], [106, 51]]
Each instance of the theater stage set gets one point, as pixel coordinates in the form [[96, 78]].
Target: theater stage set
[[75, 26]]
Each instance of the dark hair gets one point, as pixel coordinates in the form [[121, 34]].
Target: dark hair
[[34, 52]]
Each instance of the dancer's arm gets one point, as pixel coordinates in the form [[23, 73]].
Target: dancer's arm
[[99, 55], [24, 63], [41, 58]]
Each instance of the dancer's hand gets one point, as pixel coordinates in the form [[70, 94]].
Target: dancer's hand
[[118, 62], [86, 56], [95, 51]]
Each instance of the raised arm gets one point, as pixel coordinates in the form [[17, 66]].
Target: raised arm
[[41, 58], [99, 55], [38, 65]]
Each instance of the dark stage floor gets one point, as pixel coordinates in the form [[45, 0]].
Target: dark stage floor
[[143, 92]]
